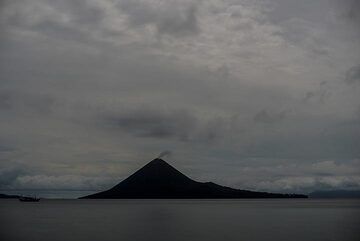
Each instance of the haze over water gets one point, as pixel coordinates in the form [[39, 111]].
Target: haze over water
[[157, 220]]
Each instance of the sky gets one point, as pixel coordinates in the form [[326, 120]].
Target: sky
[[260, 94]]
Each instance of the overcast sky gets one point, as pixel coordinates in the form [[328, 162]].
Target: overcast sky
[[262, 95]]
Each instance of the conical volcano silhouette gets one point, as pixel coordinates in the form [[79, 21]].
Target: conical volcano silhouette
[[157, 173], [158, 179]]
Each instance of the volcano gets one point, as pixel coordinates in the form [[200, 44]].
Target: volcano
[[159, 180]]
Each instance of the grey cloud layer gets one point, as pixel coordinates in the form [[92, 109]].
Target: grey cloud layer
[[89, 90], [169, 17], [353, 75]]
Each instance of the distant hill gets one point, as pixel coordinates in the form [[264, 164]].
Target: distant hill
[[335, 194], [158, 179], [8, 196]]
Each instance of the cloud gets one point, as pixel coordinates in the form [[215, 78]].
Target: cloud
[[265, 117], [351, 10], [309, 95], [26, 102], [9, 175], [64, 182], [320, 94], [53, 16], [180, 125], [174, 17], [303, 32], [353, 75], [296, 177], [308, 184], [155, 124]]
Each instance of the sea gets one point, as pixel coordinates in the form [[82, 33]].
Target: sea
[[183, 220]]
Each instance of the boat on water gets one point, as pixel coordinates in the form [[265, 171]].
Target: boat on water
[[29, 199]]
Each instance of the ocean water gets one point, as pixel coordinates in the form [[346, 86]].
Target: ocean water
[[186, 220]]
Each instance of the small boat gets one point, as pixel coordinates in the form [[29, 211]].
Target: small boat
[[29, 199]]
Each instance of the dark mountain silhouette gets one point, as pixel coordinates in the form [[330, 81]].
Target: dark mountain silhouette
[[158, 179], [336, 194], [5, 196]]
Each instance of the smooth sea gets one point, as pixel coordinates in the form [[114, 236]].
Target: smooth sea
[[185, 220]]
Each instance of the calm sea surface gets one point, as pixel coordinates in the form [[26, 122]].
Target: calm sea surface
[[187, 220]]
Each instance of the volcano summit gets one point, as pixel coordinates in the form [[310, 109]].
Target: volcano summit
[[158, 179]]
